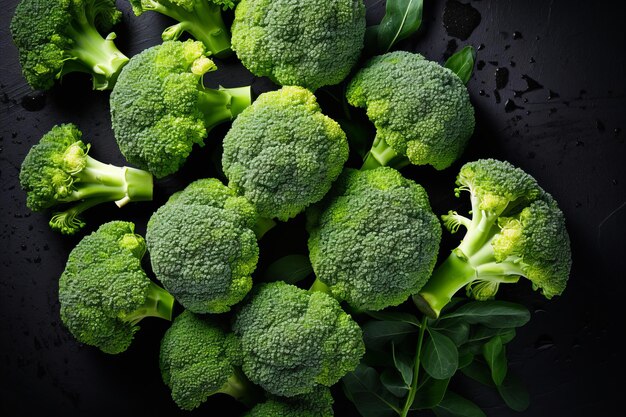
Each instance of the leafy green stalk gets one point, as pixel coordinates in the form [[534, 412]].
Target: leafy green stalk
[[381, 154], [159, 303], [241, 389], [262, 226], [416, 368], [219, 106]]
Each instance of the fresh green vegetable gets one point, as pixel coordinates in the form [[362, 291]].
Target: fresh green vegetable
[[462, 63], [58, 171], [308, 43], [318, 403], [57, 37], [104, 292], [402, 19], [160, 109]]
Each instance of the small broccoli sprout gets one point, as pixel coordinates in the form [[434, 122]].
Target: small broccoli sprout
[[318, 403], [283, 154], [58, 172], [374, 239], [104, 291], [57, 37], [309, 43], [160, 109], [516, 230], [199, 359], [202, 19], [421, 110]]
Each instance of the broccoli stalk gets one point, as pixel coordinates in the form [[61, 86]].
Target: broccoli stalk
[[222, 104], [159, 303], [383, 155]]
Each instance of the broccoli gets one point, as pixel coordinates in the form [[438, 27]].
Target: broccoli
[[160, 109], [283, 154], [516, 230], [318, 403], [293, 340], [203, 246], [421, 110], [104, 292], [199, 359], [373, 240], [57, 37], [307, 43], [202, 19], [58, 171]]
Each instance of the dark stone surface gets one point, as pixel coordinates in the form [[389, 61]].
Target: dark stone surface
[[569, 135]]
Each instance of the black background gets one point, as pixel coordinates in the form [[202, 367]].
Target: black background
[[569, 135]]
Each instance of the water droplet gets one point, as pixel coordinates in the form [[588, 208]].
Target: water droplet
[[481, 47], [517, 35], [34, 101], [532, 60], [460, 19], [544, 342], [502, 78], [552, 95], [496, 94], [480, 65], [510, 106]]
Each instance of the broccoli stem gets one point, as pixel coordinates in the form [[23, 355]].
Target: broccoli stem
[[241, 389], [159, 303], [219, 106], [381, 154], [68, 222], [416, 370], [321, 287], [262, 226]]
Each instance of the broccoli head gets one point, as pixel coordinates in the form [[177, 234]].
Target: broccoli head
[[58, 172], [57, 37], [199, 359], [203, 246], [421, 110], [283, 154], [293, 340], [318, 403], [374, 239], [202, 19], [104, 292], [308, 43], [160, 109], [516, 230]]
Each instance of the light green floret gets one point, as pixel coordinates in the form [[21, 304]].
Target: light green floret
[[319, 403], [199, 359], [283, 154], [202, 19], [308, 43], [57, 37], [203, 246], [104, 292], [160, 109], [59, 173], [516, 230], [421, 110], [374, 239], [293, 340]]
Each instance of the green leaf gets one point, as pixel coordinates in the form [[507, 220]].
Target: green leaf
[[402, 19], [465, 358], [364, 389], [495, 355], [429, 393], [494, 314], [392, 381], [395, 316], [377, 334], [441, 357], [514, 393], [481, 334], [453, 405], [290, 268], [479, 372], [457, 330], [404, 364], [462, 63]]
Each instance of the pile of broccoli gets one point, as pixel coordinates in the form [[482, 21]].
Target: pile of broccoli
[[373, 239]]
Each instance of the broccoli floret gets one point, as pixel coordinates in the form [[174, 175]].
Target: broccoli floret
[[199, 359], [160, 109], [293, 340], [104, 292], [319, 403], [516, 230], [202, 19], [421, 110], [58, 171], [203, 246], [308, 43], [57, 37], [374, 239], [283, 154]]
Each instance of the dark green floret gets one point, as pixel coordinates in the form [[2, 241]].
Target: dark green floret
[[202, 19], [57, 37], [59, 173], [318, 403], [374, 239], [160, 109], [421, 110], [309, 43], [516, 230], [293, 340], [104, 292], [283, 154]]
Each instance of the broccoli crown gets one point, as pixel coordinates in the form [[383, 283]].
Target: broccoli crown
[[374, 238], [283, 154], [197, 359], [203, 247], [103, 286], [308, 43], [292, 340], [58, 37], [420, 109], [318, 403], [140, 6]]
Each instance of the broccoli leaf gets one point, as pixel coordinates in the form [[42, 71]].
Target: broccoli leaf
[[441, 357], [494, 353], [514, 393], [290, 268], [494, 314], [401, 20], [462, 63], [364, 389], [453, 405], [429, 393]]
